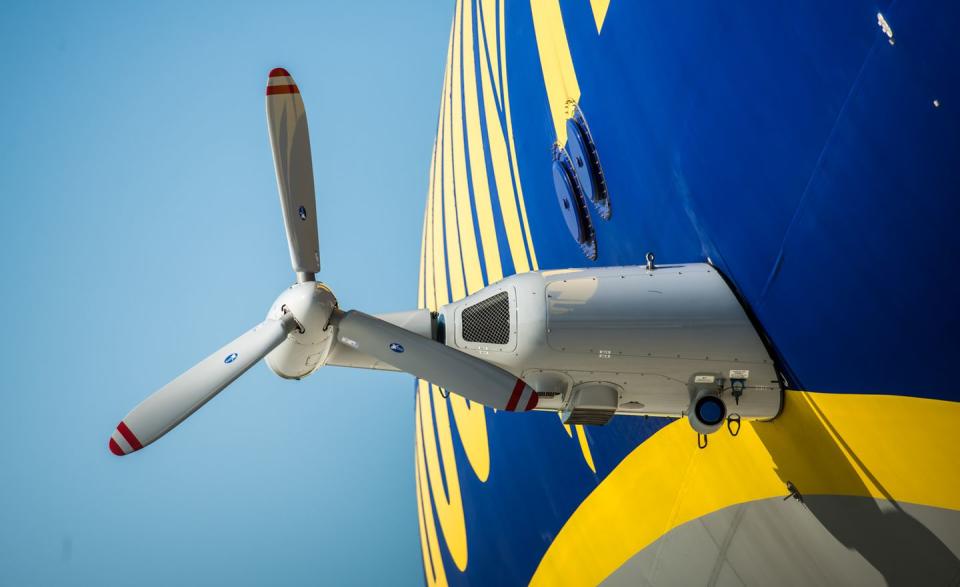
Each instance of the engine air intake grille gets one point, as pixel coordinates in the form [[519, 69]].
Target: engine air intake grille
[[488, 321]]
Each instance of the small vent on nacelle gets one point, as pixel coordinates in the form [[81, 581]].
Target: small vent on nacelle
[[488, 321]]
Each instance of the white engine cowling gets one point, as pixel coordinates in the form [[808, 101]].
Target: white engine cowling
[[624, 340]]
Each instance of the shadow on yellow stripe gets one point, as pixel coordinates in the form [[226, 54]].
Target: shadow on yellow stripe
[[887, 447]]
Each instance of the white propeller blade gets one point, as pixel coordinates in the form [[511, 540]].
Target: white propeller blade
[[172, 403], [435, 362], [290, 140]]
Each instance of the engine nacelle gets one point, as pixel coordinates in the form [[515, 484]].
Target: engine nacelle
[[307, 347], [623, 340]]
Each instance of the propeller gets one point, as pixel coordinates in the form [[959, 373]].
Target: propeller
[[304, 313], [175, 401], [437, 363], [290, 140]]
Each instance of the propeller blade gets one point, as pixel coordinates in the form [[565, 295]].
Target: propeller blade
[[174, 402], [290, 141], [464, 374]]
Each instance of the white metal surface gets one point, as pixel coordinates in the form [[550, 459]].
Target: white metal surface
[[591, 403], [650, 334], [346, 355], [686, 312], [290, 141]]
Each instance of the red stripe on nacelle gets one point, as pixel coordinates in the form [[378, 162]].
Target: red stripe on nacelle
[[291, 89], [534, 399], [115, 448], [279, 72], [515, 396], [129, 436]]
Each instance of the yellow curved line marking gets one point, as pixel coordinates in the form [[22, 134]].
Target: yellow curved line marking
[[448, 220], [429, 545], [478, 163], [502, 34], [581, 440], [585, 446], [450, 124], [833, 444], [599, 12], [426, 270], [434, 280], [534, 265], [436, 265], [449, 504], [489, 10], [426, 276], [451, 222], [471, 422], [468, 238], [559, 77], [497, 146], [439, 259], [471, 419], [427, 279], [421, 288]]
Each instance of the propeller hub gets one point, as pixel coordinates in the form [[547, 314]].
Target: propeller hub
[[311, 303]]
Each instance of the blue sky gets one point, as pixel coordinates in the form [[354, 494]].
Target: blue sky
[[141, 230]]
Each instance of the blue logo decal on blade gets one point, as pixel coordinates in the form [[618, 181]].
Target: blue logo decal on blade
[[303, 213], [396, 347], [230, 358]]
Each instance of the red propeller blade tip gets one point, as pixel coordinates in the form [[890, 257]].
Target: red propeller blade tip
[[115, 448], [278, 72], [532, 403], [129, 436]]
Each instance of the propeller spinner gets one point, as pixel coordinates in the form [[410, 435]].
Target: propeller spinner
[[305, 321]]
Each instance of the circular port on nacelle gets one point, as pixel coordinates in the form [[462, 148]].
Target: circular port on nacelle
[[707, 413], [710, 410]]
